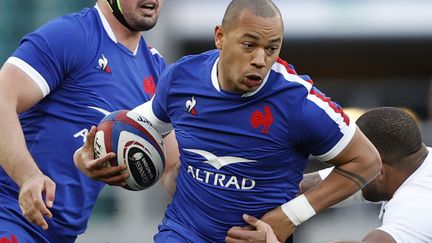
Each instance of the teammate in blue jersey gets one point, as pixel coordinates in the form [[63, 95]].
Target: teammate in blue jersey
[[63, 78], [246, 124]]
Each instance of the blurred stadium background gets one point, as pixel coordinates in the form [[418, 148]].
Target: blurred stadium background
[[363, 54]]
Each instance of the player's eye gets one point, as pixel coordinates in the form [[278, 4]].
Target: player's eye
[[273, 49], [247, 45]]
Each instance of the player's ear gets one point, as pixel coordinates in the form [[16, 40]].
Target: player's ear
[[218, 36], [384, 172]]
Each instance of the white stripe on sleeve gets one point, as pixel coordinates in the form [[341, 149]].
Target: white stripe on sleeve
[[146, 110], [32, 73]]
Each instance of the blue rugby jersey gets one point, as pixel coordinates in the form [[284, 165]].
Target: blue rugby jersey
[[240, 153], [84, 73]]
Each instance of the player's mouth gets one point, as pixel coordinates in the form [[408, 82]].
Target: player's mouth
[[148, 8], [253, 80]]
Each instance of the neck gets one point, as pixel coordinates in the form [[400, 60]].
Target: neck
[[219, 75], [412, 162], [126, 37], [415, 160], [224, 84]]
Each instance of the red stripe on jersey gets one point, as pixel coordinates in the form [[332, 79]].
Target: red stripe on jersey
[[291, 70], [286, 65], [332, 105], [106, 126]]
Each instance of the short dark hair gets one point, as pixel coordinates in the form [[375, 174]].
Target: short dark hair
[[392, 131], [262, 8]]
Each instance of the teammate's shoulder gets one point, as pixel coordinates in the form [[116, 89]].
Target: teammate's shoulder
[[191, 65], [70, 25], [194, 62], [198, 58]]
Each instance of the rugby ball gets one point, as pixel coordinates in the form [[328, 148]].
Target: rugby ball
[[136, 144]]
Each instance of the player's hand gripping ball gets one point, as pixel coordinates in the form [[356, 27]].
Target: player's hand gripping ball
[[136, 143]]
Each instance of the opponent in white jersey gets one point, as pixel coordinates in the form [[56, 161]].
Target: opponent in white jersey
[[404, 181], [403, 184], [246, 124], [64, 78]]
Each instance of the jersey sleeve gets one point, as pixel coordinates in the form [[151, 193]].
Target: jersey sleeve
[[51, 52], [156, 110], [324, 130], [408, 221]]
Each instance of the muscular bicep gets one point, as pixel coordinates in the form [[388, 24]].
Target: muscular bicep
[[359, 161], [18, 89], [357, 164], [359, 146], [378, 236]]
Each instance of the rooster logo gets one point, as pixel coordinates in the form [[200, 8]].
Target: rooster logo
[[258, 119], [190, 106], [149, 85], [103, 64]]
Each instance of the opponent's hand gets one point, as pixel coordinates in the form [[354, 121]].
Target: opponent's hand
[[263, 233], [97, 169], [32, 205], [280, 223]]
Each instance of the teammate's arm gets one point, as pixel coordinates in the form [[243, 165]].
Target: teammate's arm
[[357, 164], [18, 92]]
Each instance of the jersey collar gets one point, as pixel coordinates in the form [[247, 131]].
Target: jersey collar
[[215, 81], [108, 29], [106, 25]]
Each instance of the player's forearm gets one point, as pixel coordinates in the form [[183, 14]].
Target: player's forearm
[[310, 180], [14, 155]]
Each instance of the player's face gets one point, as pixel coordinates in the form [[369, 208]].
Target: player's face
[[249, 48], [141, 15]]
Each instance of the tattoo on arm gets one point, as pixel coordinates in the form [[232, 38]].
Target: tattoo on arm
[[360, 181]]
